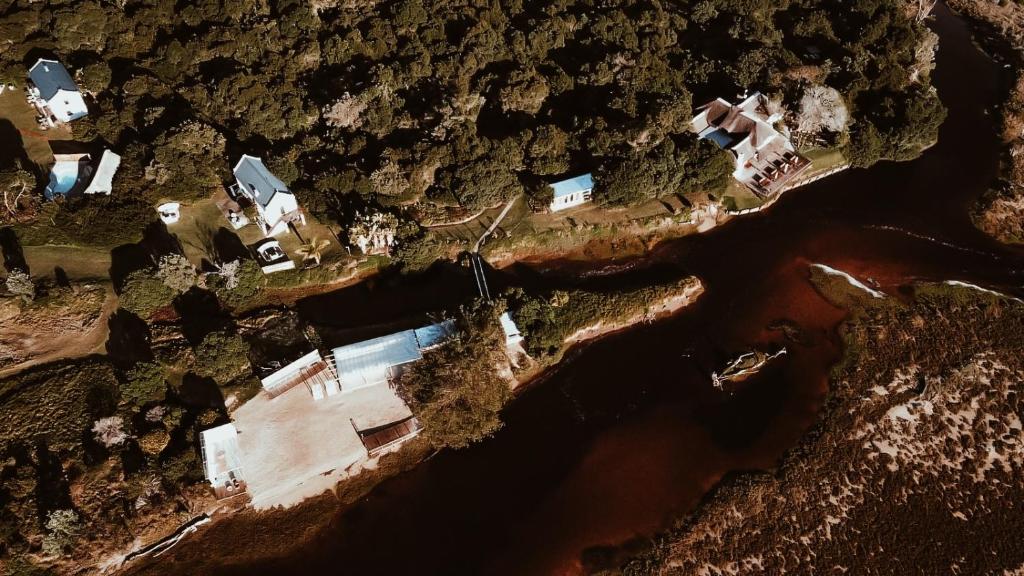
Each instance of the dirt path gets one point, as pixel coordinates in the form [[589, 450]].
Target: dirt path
[[71, 345]]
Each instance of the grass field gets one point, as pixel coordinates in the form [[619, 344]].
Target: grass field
[[15, 108]]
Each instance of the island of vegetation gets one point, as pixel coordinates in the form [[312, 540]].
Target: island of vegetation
[[918, 445], [407, 132]]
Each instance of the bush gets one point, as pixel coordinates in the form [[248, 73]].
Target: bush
[[144, 383], [143, 294], [221, 355], [456, 391]]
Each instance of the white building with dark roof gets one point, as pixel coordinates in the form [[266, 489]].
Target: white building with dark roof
[[54, 93], [275, 204], [766, 160]]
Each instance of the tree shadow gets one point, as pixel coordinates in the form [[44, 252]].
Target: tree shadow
[[200, 314], [14, 256], [229, 246], [156, 243], [12, 148], [129, 340], [200, 392], [52, 490]]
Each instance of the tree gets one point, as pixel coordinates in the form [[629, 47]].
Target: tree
[[236, 282], [457, 391], [312, 251], [19, 283], [221, 355], [109, 431], [346, 112], [143, 383], [143, 293], [822, 109], [176, 272], [62, 527]]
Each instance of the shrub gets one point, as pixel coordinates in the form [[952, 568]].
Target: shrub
[[221, 355], [19, 283], [62, 528], [144, 383], [143, 294], [456, 390]]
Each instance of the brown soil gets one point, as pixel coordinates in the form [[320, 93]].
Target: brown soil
[[915, 467], [67, 326]]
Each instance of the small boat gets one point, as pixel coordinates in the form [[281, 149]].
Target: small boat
[[744, 366]]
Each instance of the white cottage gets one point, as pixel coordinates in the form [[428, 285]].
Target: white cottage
[[766, 160], [54, 93], [222, 460], [276, 206], [572, 192]]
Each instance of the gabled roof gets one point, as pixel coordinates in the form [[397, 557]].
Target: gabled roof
[[252, 173], [573, 185], [50, 77]]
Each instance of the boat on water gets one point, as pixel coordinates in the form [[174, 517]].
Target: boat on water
[[744, 366]]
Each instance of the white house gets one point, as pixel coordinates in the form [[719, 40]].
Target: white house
[[54, 93], [765, 158], [222, 460], [276, 206], [572, 192]]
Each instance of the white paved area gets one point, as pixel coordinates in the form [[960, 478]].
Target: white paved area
[[293, 447]]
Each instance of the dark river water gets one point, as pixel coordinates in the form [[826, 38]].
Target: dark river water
[[629, 433]]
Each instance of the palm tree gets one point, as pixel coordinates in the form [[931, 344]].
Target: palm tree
[[312, 250]]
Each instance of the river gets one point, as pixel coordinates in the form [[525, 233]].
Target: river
[[628, 433]]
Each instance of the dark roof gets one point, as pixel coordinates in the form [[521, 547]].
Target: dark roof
[[254, 175], [50, 77]]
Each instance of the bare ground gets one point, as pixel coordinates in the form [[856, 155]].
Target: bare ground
[[36, 333]]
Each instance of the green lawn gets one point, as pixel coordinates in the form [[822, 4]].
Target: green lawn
[[15, 108]]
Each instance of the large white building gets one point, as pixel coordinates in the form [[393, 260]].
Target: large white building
[[276, 206], [766, 160], [375, 361], [54, 93]]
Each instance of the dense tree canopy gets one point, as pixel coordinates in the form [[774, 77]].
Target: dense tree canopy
[[467, 102]]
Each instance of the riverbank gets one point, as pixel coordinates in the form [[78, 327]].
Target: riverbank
[[586, 323], [921, 427], [1000, 28]]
